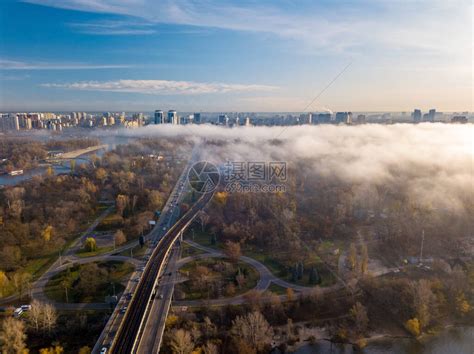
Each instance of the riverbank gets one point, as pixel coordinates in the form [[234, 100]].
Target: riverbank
[[452, 338], [76, 153]]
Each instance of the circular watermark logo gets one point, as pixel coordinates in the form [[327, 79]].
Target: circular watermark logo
[[203, 177]]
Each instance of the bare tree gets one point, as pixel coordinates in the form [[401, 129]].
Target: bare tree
[[364, 261], [423, 299], [232, 250], [210, 348], [181, 342], [252, 328], [359, 316], [35, 314], [119, 238], [49, 317], [12, 336], [203, 219]]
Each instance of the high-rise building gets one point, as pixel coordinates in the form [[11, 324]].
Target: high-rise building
[[158, 118], [431, 115], [344, 117], [324, 117], [223, 119], [172, 117], [417, 116], [361, 119]]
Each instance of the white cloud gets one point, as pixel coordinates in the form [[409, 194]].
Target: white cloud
[[115, 27], [160, 87], [425, 25], [6, 64]]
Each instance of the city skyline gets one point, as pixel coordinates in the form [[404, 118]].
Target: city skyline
[[114, 55]]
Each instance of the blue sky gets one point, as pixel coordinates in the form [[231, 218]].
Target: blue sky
[[209, 55]]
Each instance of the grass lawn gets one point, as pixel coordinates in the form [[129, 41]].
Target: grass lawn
[[82, 253], [137, 251], [111, 222], [222, 273], [117, 272], [275, 266], [203, 238], [276, 289], [187, 250]]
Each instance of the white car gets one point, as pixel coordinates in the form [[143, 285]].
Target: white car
[[103, 350]]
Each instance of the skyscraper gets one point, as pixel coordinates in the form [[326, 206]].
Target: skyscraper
[[417, 116], [158, 119], [172, 117], [431, 115]]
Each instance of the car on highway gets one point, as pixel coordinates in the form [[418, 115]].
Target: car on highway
[[160, 296], [103, 350], [123, 310]]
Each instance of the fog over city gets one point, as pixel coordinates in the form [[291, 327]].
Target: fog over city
[[432, 163]]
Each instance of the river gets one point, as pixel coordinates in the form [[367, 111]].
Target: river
[[454, 340], [7, 180]]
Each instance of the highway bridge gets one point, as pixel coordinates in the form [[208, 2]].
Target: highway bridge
[[128, 334]]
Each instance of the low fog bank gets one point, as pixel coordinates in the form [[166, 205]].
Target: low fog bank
[[432, 163]]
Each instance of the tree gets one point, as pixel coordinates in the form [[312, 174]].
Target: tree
[[203, 219], [119, 238], [252, 328], [201, 276], [462, 305], [49, 171], [352, 257], [49, 317], [364, 261], [156, 200], [210, 348], [314, 277], [181, 342], [101, 174], [290, 294], [66, 283], [85, 350], [121, 203], [423, 300], [47, 233], [90, 276], [90, 245], [13, 336], [359, 316], [232, 250], [72, 165], [3, 283], [35, 314], [300, 270], [413, 326], [52, 350], [21, 281]]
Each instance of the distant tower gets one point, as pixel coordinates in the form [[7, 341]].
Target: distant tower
[[222, 119], [197, 118], [417, 116], [158, 118], [172, 117], [431, 115]]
